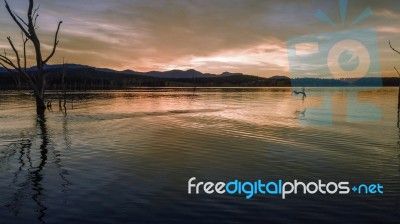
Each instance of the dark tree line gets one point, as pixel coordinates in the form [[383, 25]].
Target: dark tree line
[[92, 79]]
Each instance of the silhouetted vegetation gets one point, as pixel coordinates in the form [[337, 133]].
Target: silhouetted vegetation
[[88, 78]]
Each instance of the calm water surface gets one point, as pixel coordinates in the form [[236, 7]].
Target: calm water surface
[[126, 156]]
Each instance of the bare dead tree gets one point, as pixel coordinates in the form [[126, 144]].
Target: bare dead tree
[[63, 85], [398, 96], [28, 27]]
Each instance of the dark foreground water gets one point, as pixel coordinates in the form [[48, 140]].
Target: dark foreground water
[[126, 157]]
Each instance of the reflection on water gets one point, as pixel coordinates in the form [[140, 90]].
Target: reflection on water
[[126, 156], [29, 176], [398, 107]]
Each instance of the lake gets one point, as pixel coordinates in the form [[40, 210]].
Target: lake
[[127, 156]]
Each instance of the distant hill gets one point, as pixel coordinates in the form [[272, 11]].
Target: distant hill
[[177, 74], [180, 74], [172, 74], [83, 77]]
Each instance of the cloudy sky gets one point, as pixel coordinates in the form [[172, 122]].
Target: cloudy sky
[[247, 36]]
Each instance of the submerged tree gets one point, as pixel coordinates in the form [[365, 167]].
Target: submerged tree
[[398, 96], [18, 63]]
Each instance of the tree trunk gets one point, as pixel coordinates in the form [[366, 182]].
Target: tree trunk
[[40, 105], [39, 94], [398, 105]]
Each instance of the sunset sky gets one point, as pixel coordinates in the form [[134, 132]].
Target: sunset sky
[[247, 36]]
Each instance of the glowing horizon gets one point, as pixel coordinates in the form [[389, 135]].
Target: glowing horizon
[[243, 36]]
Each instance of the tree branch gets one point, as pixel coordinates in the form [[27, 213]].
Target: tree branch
[[18, 68], [24, 40], [20, 71], [16, 20], [9, 70], [56, 41], [393, 48], [15, 51], [35, 15], [37, 8], [6, 60], [397, 71], [34, 22], [29, 78], [21, 19]]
